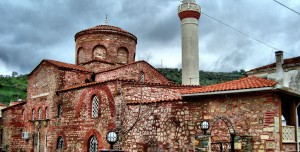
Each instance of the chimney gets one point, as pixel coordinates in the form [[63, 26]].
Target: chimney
[[279, 69]]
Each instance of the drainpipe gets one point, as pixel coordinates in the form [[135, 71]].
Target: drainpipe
[[279, 69], [297, 126]]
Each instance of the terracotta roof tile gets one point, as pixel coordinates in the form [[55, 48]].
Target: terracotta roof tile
[[286, 62], [67, 65], [243, 83]]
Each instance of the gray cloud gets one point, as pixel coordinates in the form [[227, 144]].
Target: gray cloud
[[35, 30]]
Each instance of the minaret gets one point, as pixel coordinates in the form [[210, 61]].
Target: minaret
[[189, 14]]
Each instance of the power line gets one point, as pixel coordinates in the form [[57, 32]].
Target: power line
[[240, 31], [286, 7]]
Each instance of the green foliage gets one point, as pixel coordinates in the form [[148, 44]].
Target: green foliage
[[206, 78], [12, 88]]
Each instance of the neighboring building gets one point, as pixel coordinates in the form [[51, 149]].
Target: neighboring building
[[71, 107], [289, 74]]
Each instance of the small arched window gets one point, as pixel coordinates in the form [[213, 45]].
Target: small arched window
[[95, 107], [122, 55], [40, 114], [32, 114], [46, 113], [23, 114], [59, 110], [93, 144], [142, 76], [60, 143]]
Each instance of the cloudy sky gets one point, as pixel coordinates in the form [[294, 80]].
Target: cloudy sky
[[32, 30]]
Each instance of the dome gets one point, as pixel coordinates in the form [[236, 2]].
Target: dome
[[105, 29]]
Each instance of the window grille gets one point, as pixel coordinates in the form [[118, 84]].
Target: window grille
[[93, 144], [40, 114], [46, 113], [60, 143], [142, 77], [59, 110], [95, 107], [33, 114]]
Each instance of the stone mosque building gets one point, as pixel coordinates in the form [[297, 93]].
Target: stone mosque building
[[71, 107]]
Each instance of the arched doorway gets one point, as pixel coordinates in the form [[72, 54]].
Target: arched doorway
[[222, 134]]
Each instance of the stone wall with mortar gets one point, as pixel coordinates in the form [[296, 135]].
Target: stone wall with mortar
[[134, 71], [172, 126]]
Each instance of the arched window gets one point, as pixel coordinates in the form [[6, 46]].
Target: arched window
[[93, 144], [59, 110], [40, 114], [122, 55], [60, 143], [283, 120], [99, 52], [46, 113], [95, 107], [142, 76], [32, 114]]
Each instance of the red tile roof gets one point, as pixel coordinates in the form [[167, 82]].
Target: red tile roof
[[105, 29], [243, 83], [67, 65], [286, 62]]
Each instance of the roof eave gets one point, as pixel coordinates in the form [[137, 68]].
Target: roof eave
[[228, 92], [288, 91]]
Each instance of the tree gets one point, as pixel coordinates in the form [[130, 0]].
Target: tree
[[14, 74]]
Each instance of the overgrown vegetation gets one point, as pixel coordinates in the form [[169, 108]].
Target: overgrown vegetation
[[12, 88], [206, 78]]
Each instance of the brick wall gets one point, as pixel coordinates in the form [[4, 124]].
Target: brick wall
[[112, 43], [134, 71]]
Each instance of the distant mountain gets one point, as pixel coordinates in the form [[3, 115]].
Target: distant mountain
[[206, 78], [14, 87]]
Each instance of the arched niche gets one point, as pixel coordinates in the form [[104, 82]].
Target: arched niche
[[122, 55], [99, 52], [81, 55]]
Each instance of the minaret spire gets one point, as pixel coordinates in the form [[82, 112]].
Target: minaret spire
[[189, 14]]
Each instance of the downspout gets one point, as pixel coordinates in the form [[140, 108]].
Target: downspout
[[297, 126]]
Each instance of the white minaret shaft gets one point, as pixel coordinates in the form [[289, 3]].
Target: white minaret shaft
[[189, 14]]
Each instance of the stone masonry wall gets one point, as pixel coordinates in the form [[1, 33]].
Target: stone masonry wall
[[77, 125], [74, 78], [134, 71], [12, 128], [172, 126]]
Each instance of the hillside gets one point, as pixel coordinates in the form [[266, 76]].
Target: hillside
[[14, 88], [206, 78]]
